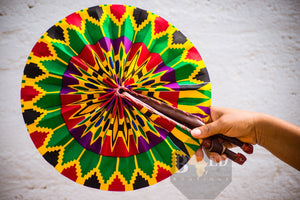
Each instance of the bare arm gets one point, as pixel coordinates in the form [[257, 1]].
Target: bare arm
[[278, 136]]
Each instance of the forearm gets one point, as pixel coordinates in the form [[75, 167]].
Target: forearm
[[280, 138]]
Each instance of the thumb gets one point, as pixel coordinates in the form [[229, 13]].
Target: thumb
[[207, 130]]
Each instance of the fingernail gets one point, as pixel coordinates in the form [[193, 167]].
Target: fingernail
[[224, 157], [198, 159], [196, 132]]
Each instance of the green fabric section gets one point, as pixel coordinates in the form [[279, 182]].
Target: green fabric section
[[192, 146], [59, 137], [151, 127], [80, 88], [50, 101], [84, 120], [90, 126], [54, 67], [97, 133], [186, 82], [93, 32], [142, 131], [205, 92], [88, 161], [84, 72], [52, 120], [144, 35], [63, 51], [127, 167], [115, 30], [172, 56], [107, 29], [163, 152], [72, 151], [127, 29], [158, 45], [145, 162], [77, 41], [122, 52], [191, 101], [107, 167], [50, 84], [184, 70]]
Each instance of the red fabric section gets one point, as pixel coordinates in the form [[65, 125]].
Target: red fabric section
[[193, 54], [28, 93], [41, 49], [67, 112], [38, 138], [162, 174], [70, 173], [110, 83], [69, 98], [129, 81], [155, 60], [87, 55], [118, 11], [74, 19], [98, 50], [119, 149], [116, 185], [160, 25], [171, 97], [76, 60], [144, 53], [120, 107], [166, 124]]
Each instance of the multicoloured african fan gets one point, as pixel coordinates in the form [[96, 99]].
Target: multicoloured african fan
[[72, 109]]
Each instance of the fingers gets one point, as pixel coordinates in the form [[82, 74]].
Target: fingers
[[207, 130], [199, 155], [229, 145], [211, 155], [215, 156]]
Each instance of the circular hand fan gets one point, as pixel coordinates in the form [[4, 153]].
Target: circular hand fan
[[73, 109]]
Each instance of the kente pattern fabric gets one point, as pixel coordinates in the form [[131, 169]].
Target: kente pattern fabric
[[77, 121]]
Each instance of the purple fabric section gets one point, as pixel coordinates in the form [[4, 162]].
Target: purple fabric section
[[105, 43], [162, 132], [126, 102], [205, 109], [144, 146], [68, 79], [173, 86], [117, 42], [169, 75], [199, 115], [111, 102], [86, 140]]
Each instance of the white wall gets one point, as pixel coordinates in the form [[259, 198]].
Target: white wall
[[251, 49]]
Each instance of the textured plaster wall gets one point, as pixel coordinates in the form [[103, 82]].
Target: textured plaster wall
[[251, 49]]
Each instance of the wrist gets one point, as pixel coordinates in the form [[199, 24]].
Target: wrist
[[260, 122]]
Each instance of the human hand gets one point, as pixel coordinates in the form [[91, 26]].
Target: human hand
[[229, 122]]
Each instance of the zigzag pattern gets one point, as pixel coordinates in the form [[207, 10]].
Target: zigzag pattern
[[72, 109]]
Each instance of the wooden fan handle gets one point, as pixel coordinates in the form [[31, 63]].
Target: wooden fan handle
[[213, 143]]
